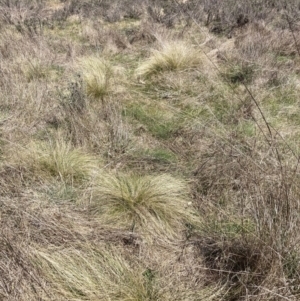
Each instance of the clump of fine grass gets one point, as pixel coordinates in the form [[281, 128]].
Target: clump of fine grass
[[57, 159], [67, 163], [173, 56], [104, 274], [155, 204], [95, 274], [35, 70], [97, 74]]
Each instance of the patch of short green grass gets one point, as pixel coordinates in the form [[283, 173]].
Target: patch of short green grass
[[230, 228], [247, 128], [155, 120], [66, 29], [218, 102], [291, 265], [194, 113], [281, 106], [280, 98], [161, 155], [239, 73], [61, 191]]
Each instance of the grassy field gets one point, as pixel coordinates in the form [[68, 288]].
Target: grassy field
[[149, 150]]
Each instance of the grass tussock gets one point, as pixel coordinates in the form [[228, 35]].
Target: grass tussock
[[56, 159], [172, 56], [148, 203], [93, 275], [97, 75], [104, 274]]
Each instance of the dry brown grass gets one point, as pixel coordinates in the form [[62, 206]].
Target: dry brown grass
[[181, 184]]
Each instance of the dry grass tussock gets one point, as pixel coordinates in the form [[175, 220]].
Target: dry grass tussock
[[55, 159], [150, 204], [97, 75], [102, 273], [172, 56]]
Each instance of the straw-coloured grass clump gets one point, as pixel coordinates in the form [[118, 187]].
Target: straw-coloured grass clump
[[57, 159], [173, 56], [143, 203], [35, 70], [103, 273], [93, 274], [97, 74], [63, 161]]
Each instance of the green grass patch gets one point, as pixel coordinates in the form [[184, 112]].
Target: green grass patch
[[157, 155], [239, 73], [282, 105], [155, 120], [247, 128], [230, 228], [70, 29], [161, 155], [37, 70], [61, 192]]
